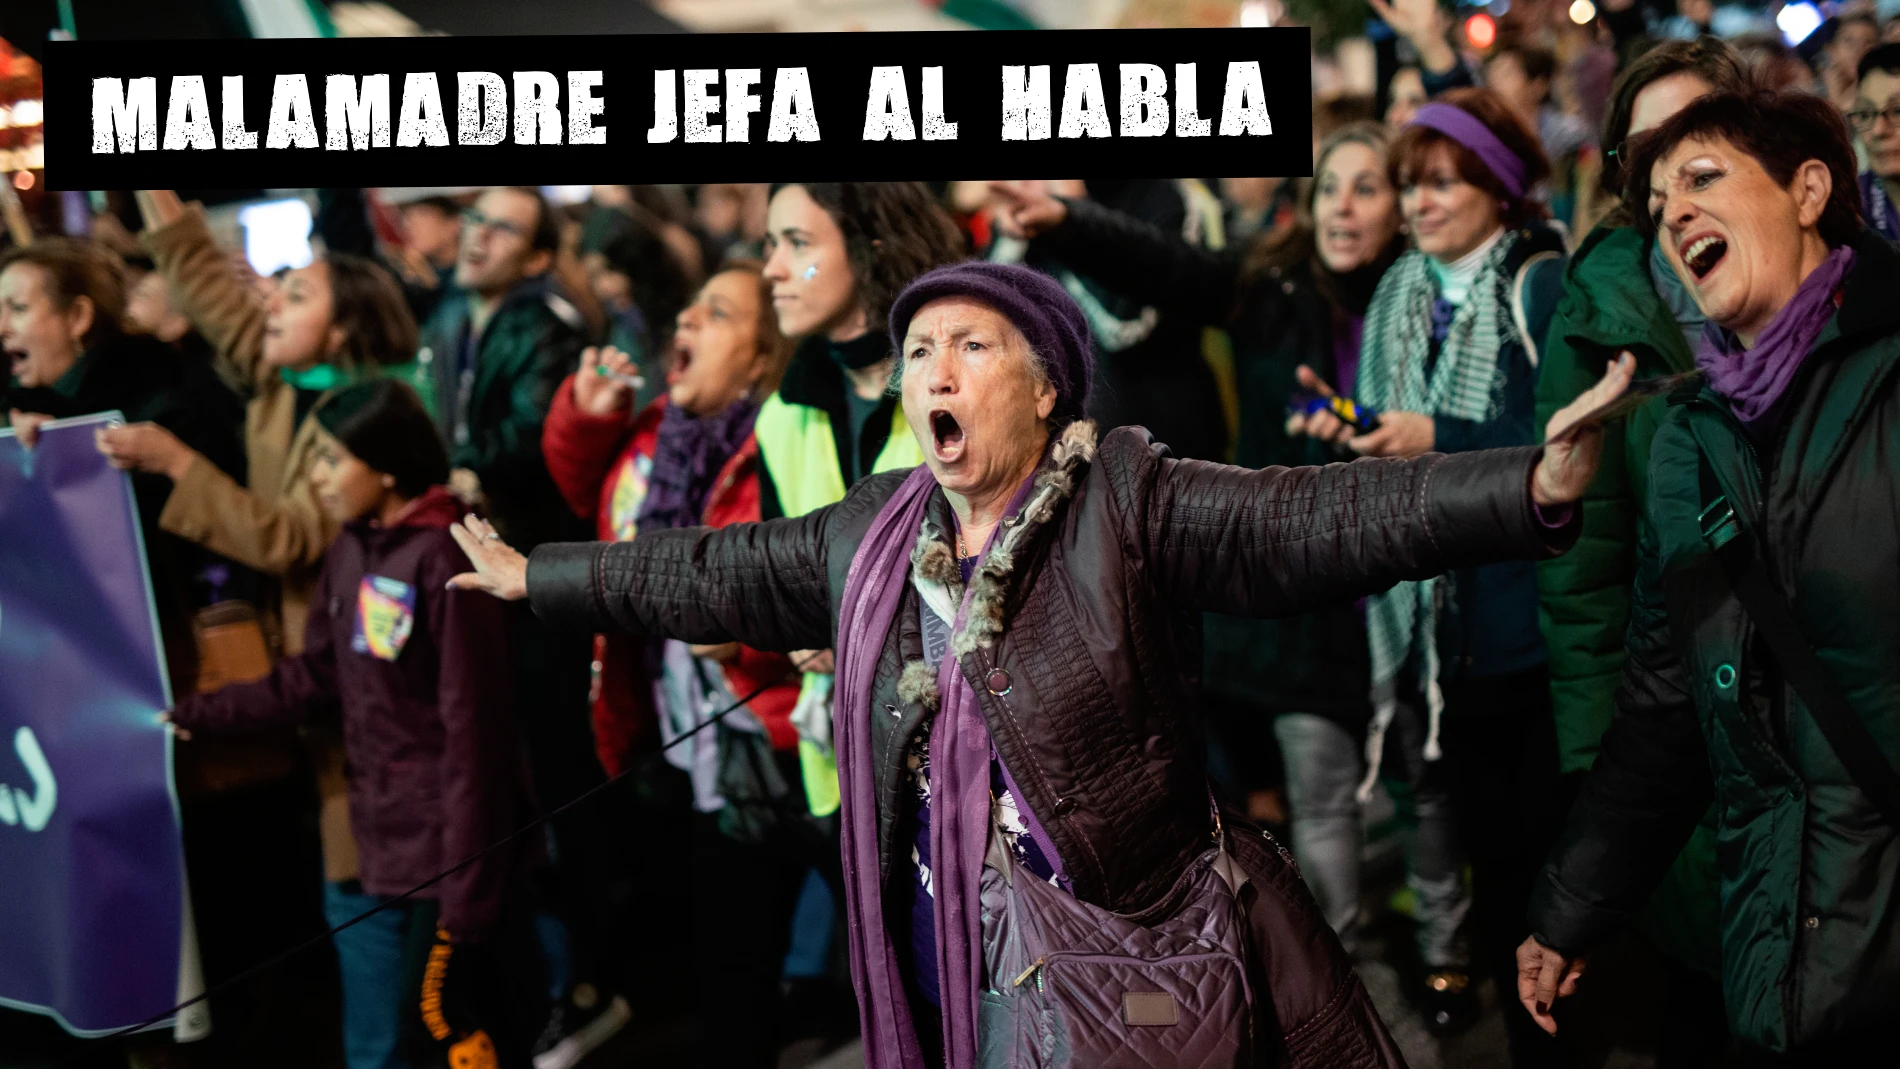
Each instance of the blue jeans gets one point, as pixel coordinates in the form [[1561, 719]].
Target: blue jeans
[[1323, 769], [370, 957]]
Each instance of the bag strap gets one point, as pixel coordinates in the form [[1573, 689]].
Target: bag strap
[[1763, 601], [1521, 309]]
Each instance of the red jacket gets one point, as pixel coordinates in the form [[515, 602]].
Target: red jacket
[[601, 467], [424, 678]]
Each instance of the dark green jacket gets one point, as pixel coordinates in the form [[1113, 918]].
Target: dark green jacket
[[1810, 871], [1609, 306], [492, 421]]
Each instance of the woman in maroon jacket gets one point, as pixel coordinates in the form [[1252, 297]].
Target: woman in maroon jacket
[[423, 677]]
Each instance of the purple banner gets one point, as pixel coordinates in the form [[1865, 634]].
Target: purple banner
[[89, 838]]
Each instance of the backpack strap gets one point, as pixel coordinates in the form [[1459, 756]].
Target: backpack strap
[[1735, 552], [1530, 310]]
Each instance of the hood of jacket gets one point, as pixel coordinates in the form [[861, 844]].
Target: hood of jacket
[[1609, 300]]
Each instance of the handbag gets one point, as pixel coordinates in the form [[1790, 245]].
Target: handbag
[[1069, 985]]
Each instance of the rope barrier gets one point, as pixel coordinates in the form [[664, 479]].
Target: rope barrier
[[286, 955]]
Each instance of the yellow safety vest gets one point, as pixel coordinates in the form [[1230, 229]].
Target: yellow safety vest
[[800, 454]]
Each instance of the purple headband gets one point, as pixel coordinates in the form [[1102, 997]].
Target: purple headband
[[1463, 127]]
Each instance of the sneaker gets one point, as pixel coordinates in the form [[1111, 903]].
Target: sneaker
[[577, 1027], [1449, 1002]]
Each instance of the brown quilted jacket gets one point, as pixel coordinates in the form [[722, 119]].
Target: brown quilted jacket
[[1091, 690]]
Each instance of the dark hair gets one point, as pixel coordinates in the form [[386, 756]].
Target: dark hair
[[1780, 129], [1414, 143], [382, 422], [366, 301], [1708, 58], [1535, 61], [893, 232], [75, 269], [547, 226], [1884, 58]]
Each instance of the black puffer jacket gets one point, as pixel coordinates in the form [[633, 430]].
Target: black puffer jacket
[[1090, 690]]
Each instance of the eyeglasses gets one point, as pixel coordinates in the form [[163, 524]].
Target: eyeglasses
[[1864, 118], [475, 220]]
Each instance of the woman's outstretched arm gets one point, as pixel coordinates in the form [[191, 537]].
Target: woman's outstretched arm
[[1284, 540], [761, 584]]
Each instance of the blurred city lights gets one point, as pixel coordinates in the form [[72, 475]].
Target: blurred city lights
[[1797, 21], [1582, 11], [1481, 30]]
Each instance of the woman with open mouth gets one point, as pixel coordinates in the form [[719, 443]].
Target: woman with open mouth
[[1763, 659], [1030, 853], [691, 457], [1621, 296]]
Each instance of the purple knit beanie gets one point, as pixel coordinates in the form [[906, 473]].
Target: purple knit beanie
[[1034, 302]]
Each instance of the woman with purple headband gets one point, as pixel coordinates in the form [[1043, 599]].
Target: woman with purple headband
[[1460, 692]]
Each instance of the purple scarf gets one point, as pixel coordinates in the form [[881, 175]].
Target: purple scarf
[[688, 455], [960, 800], [1753, 380]]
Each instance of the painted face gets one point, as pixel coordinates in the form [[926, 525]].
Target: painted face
[[1447, 215], [299, 329], [498, 243], [347, 488], [1878, 106], [1657, 102], [972, 398], [1355, 211], [716, 356], [42, 340], [813, 290], [1407, 96], [1733, 234]]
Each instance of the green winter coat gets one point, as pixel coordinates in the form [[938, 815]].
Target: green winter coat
[[1810, 871], [1609, 306]]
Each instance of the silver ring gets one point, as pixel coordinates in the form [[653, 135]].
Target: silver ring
[[490, 536]]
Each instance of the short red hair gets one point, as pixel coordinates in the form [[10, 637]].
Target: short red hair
[[1414, 145]]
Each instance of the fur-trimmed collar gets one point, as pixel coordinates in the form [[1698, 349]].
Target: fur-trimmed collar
[[939, 581]]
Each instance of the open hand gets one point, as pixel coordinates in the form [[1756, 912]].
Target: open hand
[[144, 447], [499, 570], [1570, 460], [1027, 209], [1423, 23], [1543, 977]]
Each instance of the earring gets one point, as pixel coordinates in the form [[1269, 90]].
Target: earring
[[389, 482]]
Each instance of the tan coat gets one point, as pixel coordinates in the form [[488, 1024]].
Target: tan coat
[[276, 525]]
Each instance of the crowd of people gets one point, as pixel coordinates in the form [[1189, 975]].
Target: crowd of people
[[491, 483]]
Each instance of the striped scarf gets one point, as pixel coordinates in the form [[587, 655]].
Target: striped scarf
[[1462, 384]]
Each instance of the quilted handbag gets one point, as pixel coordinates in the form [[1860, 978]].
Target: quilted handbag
[[1069, 985]]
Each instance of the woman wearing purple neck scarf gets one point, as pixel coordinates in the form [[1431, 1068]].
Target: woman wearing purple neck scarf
[[1017, 611], [1775, 477]]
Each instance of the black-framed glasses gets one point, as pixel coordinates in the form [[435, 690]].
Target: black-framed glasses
[[475, 220], [1864, 118]]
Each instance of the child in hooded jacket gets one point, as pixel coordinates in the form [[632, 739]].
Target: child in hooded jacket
[[424, 680]]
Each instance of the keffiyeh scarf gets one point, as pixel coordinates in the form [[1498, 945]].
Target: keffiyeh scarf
[[1463, 383]]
